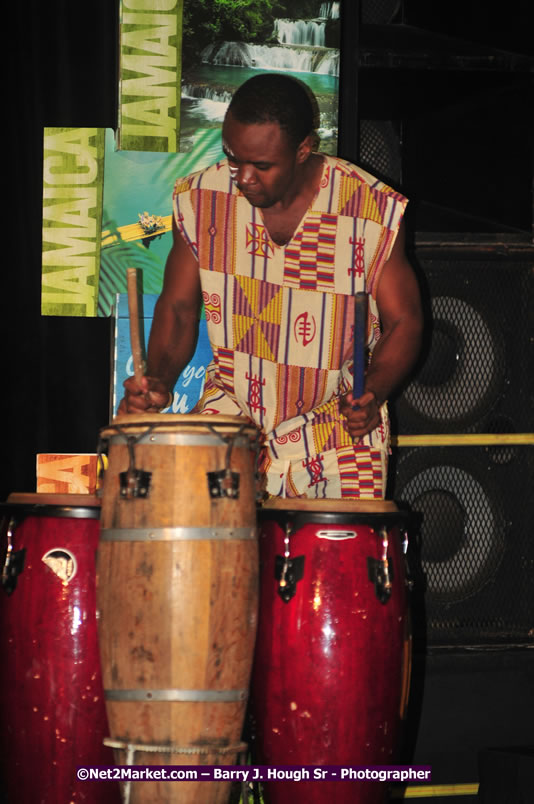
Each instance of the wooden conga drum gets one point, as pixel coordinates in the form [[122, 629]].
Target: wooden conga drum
[[52, 702], [331, 668], [177, 594]]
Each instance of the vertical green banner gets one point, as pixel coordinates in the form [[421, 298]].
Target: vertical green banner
[[150, 75], [73, 179]]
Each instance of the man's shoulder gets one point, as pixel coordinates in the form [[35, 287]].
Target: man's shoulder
[[214, 177], [348, 173]]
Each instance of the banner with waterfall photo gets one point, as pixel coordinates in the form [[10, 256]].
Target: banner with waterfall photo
[[138, 184], [137, 212], [225, 42]]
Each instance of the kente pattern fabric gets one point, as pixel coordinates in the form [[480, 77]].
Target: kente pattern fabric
[[280, 321]]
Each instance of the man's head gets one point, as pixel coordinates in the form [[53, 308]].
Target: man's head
[[268, 136], [277, 98]]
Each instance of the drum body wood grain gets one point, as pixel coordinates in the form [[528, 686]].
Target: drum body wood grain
[[331, 667], [52, 701], [177, 598]]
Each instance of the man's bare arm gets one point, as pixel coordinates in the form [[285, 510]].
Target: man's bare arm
[[399, 306], [174, 331]]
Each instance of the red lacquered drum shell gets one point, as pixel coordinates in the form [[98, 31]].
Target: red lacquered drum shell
[[53, 713], [177, 595], [331, 665]]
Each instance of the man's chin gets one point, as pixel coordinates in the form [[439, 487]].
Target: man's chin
[[257, 200]]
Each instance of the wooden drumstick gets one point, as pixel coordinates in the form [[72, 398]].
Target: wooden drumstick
[[139, 365], [360, 328]]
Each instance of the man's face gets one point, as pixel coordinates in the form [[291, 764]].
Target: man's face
[[262, 161]]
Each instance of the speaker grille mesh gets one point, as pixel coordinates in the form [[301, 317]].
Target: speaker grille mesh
[[472, 555], [463, 531], [475, 372], [465, 369], [380, 150], [379, 12]]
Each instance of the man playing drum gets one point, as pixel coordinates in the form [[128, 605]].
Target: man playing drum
[[276, 240]]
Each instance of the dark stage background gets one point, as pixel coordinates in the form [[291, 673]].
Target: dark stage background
[[459, 121], [62, 71]]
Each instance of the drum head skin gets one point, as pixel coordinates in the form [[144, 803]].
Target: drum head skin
[[330, 506]]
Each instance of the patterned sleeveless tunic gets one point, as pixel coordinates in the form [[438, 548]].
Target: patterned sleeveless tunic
[[280, 321]]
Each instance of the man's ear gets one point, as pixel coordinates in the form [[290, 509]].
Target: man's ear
[[305, 148]]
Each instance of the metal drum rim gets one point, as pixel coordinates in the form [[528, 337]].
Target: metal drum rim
[[173, 421], [301, 518], [332, 512], [23, 510], [181, 439]]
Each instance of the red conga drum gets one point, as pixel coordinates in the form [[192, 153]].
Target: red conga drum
[[331, 667], [177, 595], [52, 702]]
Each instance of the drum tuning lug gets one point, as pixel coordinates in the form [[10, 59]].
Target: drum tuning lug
[[381, 574], [14, 560], [134, 483], [223, 484], [13, 566], [409, 581], [288, 571]]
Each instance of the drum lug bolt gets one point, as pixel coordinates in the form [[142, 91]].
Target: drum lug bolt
[[288, 571], [14, 562], [379, 571], [134, 482], [223, 484], [381, 574]]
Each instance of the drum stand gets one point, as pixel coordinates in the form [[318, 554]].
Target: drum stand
[[132, 748]]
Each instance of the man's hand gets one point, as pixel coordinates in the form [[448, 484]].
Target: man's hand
[[149, 397], [365, 418], [395, 353]]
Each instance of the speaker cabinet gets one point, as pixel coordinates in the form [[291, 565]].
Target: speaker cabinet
[[462, 704], [380, 150], [506, 775], [379, 12], [475, 371], [471, 552]]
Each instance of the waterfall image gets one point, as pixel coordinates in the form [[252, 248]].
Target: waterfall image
[[219, 53], [298, 38], [300, 32]]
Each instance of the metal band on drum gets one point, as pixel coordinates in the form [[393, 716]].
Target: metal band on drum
[[182, 439], [175, 534], [209, 696]]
